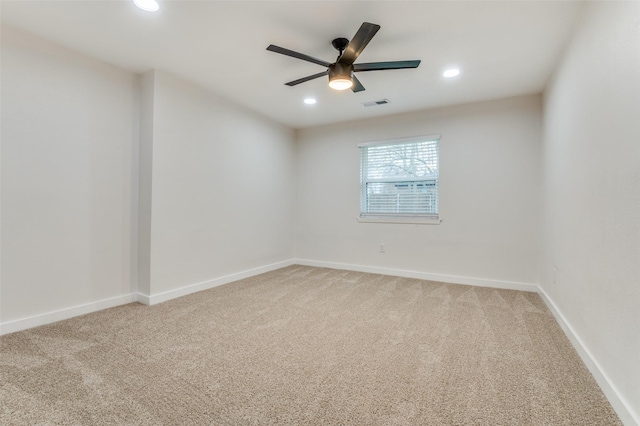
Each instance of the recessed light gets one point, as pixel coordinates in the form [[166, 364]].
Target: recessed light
[[148, 5], [310, 101], [451, 72]]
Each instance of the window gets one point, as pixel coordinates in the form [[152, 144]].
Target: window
[[399, 180]]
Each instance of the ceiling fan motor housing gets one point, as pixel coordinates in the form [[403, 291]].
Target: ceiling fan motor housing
[[340, 71]]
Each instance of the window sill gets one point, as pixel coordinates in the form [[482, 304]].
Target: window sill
[[417, 220]]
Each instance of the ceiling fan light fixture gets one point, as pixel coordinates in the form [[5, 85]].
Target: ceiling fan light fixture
[[340, 83], [340, 76]]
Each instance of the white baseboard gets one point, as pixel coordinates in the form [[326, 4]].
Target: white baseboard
[[205, 285], [619, 404], [451, 279], [74, 311], [62, 314]]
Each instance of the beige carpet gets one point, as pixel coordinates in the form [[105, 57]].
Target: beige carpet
[[305, 345]]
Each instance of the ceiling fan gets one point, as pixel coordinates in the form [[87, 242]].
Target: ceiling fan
[[341, 73]]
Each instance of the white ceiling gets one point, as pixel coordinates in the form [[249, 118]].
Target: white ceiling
[[504, 48]]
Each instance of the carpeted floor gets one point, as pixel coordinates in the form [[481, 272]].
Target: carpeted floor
[[305, 345]]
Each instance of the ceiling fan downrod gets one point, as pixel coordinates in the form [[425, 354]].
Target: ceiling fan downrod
[[340, 44]]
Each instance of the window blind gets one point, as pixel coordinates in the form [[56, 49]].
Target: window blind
[[400, 178]]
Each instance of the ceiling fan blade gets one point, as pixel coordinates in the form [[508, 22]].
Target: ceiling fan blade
[[303, 79], [357, 86], [283, 51], [392, 65], [358, 43]]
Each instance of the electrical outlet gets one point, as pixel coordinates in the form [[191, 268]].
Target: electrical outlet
[[381, 248]]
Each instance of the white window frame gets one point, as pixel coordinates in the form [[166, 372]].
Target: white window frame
[[425, 219]]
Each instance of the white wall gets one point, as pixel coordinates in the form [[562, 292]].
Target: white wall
[[489, 194], [223, 186], [591, 181], [109, 178], [67, 141]]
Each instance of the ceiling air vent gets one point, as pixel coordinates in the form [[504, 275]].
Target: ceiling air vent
[[376, 103]]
